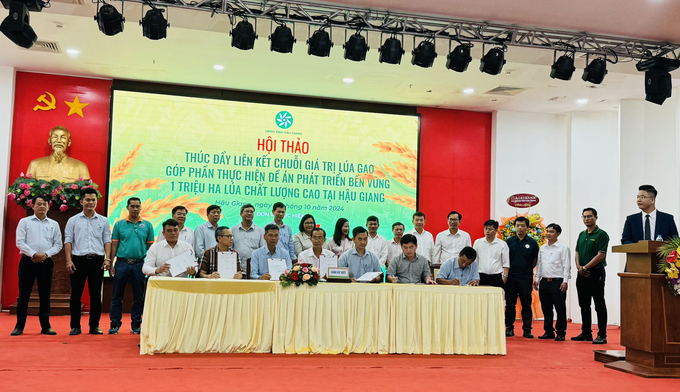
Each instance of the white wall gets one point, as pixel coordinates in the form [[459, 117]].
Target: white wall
[[6, 113]]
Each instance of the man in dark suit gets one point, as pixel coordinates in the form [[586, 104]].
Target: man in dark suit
[[650, 223]]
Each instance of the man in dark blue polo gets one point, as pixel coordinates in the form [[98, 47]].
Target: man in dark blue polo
[[131, 238], [523, 257]]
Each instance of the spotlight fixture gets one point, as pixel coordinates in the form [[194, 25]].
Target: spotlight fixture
[[356, 47], [282, 39], [110, 21], [320, 43], [424, 54], [391, 51], [658, 84], [154, 25], [16, 26], [459, 59], [595, 71], [243, 35], [492, 62], [563, 67]]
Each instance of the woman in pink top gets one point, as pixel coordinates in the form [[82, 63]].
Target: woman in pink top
[[340, 242]]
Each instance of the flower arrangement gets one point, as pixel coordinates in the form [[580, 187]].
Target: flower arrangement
[[670, 264], [66, 195], [302, 273], [536, 228]]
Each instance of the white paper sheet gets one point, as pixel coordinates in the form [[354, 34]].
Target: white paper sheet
[[368, 276], [179, 264], [276, 268], [325, 262], [226, 264]]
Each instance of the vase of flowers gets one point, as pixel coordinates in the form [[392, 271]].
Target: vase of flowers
[[669, 265], [63, 195], [302, 273]]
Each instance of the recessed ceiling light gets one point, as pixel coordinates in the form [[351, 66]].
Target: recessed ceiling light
[[582, 101], [469, 91], [348, 80], [72, 52], [218, 67]]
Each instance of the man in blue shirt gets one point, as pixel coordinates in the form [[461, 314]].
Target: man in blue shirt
[[460, 271], [285, 232], [259, 267], [359, 260]]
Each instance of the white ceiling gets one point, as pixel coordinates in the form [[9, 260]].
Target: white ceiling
[[196, 42]]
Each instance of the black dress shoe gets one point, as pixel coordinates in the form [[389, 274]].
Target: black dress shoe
[[600, 340], [509, 332], [547, 336], [527, 335], [17, 332], [75, 331], [48, 331], [96, 331], [559, 338], [582, 338]]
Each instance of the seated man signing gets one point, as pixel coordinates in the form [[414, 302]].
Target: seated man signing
[[460, 271], [225, 241], [160, 253], [360, 260], [409, 266], [259, 265]]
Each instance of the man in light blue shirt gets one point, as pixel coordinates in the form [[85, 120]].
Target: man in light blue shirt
[[247, 236], [359, 260], [285, 232], [460, 271], [259, 267], [204, 235]]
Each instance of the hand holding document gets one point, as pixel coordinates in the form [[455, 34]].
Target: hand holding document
[[276, 268], [368, 276], [179, 264], [325, 262], [226, 264]]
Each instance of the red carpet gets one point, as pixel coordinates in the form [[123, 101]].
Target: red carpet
[[34, 362]]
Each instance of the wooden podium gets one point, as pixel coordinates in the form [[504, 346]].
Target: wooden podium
[[650, 315]]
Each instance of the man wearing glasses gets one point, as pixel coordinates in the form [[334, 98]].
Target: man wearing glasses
[[225, 242], [649, 223], [186, 234], [131, 238], [591, 252]]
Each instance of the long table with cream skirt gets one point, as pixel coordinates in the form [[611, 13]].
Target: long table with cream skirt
[[252, 316]]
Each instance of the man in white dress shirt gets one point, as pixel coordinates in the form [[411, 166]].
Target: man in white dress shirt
[[552, 274], [186, 234], [424, 237], [158, 255], [313, 254], [394, 245], [493, 256], [449, 243], [204, 236], [376, 243]]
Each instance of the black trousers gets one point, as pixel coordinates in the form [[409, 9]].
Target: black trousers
[[551, 296], [29, 272], [592, 287], [89, 270], [495, 280], [518, 287]]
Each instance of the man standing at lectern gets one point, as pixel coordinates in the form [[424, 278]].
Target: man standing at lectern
[[650, 223]]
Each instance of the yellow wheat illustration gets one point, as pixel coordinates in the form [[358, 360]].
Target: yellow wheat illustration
[[123, 167], [406, 201], [152, 210], [130, 189], [397, 148]]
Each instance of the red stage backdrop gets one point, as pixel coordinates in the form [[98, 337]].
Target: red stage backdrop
[[35, 113]]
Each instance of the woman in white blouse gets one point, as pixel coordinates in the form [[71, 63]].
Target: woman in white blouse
[[303, 240], [341, 241]]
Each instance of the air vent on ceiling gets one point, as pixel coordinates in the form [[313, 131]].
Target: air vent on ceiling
[[46, 46], [506, 90]]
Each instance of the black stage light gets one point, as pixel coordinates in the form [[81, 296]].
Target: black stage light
[[356, 47], [154, 25], [282, 39], [320, 44], [243, 35], [33, 5], [563, 68], [492, 62], [658, 84], [424, 54], [459, 59], [110, 21], [595, 71], [391, 51], [16, 25]]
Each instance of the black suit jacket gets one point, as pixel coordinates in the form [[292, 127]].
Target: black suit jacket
[[634, 232]]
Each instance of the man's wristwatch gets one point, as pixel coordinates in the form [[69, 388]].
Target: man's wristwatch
[[505, 276]]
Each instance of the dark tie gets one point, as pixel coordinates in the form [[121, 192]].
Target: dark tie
[[648, 229]]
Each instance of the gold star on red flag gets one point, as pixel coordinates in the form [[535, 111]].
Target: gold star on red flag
[[76, 106]]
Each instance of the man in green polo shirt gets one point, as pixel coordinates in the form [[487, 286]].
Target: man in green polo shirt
[[591, 250], [131, 239]]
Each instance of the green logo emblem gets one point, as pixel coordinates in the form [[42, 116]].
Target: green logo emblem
[[284, 120]]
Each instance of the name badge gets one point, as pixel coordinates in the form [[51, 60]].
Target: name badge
[[338, 272]]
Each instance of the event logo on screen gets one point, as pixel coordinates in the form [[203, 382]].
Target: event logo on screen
[[284, 120]]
